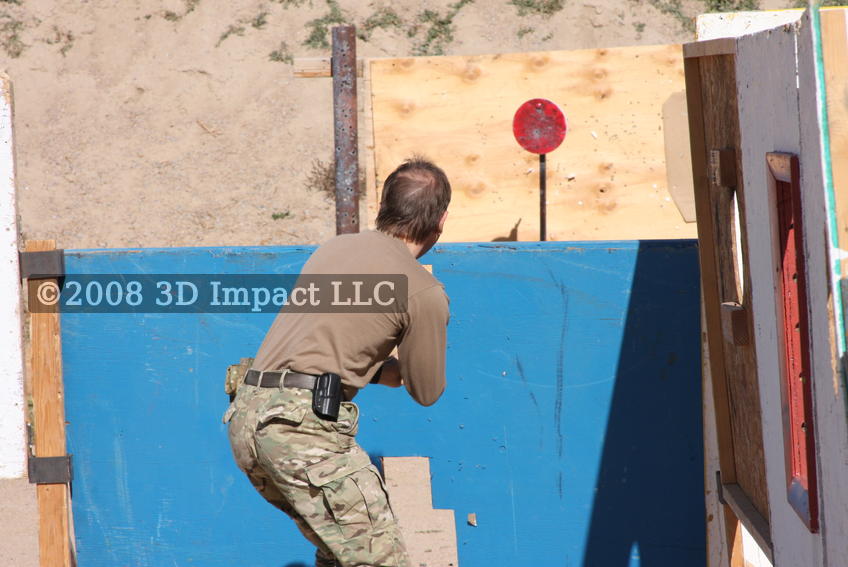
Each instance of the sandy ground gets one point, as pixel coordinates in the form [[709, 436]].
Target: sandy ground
[[179, 123], [148, 124]]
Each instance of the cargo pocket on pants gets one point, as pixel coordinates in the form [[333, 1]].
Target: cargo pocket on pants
[[351, 504], [347, 425], [281, 410]]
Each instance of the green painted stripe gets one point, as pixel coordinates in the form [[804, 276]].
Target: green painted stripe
[[833, 226]]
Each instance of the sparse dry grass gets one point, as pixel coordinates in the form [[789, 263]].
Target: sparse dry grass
[[282, 54], [320, 27], [538, 7], [384, 17], [438, 29], [10, 38], [322, 178]]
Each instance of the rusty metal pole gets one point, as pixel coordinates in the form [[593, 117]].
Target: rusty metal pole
[[345, 129]]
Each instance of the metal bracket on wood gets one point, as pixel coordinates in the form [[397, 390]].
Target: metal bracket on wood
[[734, 323], [41, 265], [722, 167], [47, 470], [732, 495], [50, 470]]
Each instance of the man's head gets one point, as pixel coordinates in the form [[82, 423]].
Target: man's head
[[415, 201]]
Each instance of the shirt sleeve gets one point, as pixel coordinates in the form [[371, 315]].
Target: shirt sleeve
[[421, 350]]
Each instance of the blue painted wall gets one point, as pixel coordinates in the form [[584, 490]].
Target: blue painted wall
[[571, 423]]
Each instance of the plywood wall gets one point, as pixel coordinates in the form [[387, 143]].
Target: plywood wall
[[607, 180]]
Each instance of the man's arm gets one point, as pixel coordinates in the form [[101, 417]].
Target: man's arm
[[422, 346], [389, 374]]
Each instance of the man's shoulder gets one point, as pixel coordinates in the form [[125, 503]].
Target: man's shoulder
[[432, 296], [371, 252], [340, 240], [364, 241], [425, 280], [342, 249]]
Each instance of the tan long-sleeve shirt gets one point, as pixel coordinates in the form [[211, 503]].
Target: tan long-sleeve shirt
[[354, 345]]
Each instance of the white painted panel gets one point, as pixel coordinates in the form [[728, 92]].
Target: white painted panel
[[768, 114], [12, 439], [831, 428], [734, 24], [754, 556]]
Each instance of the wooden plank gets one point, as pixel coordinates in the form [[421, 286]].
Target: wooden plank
[[737, 553], [607, 178], [721, 130], [768, 82], [430, 535], [735, 24], [317, 67], [709, 275], [832, 429], [829, 387], [678, 161], [708, 47], [368, 160], [49, 423], [835, 52], [718, 516], [711, 310]]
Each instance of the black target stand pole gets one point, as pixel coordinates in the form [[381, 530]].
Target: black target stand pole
[[543, 208]]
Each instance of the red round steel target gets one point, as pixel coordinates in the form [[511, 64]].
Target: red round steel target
[[539, 126]]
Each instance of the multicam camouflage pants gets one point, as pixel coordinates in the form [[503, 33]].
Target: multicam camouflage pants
[[314, 471]]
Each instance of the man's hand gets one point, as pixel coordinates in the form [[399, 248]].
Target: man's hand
[[390, 375]]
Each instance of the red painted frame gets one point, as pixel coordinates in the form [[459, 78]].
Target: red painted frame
[[799, 439]]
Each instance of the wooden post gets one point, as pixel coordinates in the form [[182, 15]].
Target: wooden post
[[834, 34], [49, 421], [711, 294]]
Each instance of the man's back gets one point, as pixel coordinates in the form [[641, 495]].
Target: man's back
[[354, 345]]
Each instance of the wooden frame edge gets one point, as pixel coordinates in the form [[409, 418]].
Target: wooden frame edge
[[708, 47], [45, 373]]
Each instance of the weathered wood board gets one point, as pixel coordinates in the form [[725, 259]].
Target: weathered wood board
[[54, 545], [835, 55], [607, 180], [725, 276]]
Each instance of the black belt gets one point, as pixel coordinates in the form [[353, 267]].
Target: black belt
[[271, 379]]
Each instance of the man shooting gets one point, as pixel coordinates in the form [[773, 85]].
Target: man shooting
[[301, 457]]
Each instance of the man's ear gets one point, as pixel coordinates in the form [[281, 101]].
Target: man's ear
[[442, 221]]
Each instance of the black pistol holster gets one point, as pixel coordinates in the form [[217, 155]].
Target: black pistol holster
[[327, 396]]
